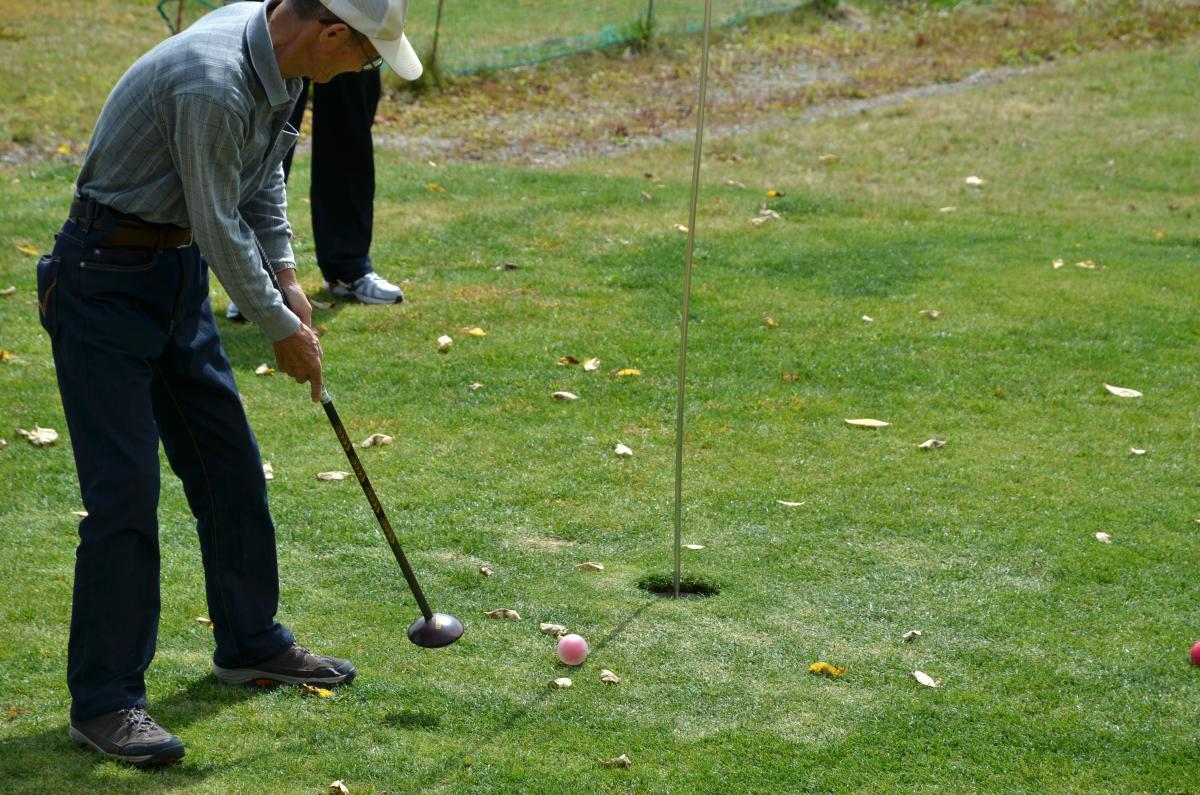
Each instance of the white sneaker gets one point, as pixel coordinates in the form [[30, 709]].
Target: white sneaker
[[370, 288], [233, 313]]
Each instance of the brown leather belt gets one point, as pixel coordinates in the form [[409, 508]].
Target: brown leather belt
[[127, 231]]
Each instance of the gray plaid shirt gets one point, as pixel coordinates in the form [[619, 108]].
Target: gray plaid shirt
[[194, 134]]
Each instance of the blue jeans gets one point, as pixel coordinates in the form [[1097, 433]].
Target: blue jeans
[[138, 359], [343, 172]]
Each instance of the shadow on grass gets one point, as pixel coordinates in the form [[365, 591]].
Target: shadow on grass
[[516, 719], [46, 761]]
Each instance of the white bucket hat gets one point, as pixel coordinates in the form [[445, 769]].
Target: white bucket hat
[[381, 21]]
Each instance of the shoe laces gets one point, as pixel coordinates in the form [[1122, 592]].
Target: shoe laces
[[372, 278], [138, 720]]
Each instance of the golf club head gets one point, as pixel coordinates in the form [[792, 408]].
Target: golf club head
[[441, 630]]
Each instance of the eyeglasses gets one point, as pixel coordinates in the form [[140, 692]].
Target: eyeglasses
[[370, 62]]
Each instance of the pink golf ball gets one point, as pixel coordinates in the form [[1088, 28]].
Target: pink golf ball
[[572, 649], [1195, 654]]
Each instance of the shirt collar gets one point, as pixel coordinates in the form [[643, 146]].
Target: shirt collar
[[262, 57]]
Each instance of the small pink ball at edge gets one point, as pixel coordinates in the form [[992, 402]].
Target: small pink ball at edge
[[1196, 654], [573, 650]]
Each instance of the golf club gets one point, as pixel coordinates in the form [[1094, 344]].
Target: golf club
[[430, 630]]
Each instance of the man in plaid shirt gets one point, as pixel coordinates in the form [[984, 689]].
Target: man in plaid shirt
[[186, 157]]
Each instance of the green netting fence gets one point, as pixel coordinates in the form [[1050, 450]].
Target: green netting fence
[[478, 35]]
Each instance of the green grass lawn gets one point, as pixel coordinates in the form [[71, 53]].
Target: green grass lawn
[[1063, 659]]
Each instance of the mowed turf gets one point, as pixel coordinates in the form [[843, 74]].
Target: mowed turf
[[1063, 659]]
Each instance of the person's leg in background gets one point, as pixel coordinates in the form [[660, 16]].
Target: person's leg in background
[[343, 186]]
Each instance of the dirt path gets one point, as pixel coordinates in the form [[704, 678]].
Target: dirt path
[[532, 152]]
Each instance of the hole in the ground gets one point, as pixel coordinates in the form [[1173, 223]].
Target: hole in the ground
[[664, 585]]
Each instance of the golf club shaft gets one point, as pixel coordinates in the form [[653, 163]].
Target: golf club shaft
[[356, 465], [365, 482]]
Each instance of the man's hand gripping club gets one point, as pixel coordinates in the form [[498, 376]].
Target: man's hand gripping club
[[300, 354]]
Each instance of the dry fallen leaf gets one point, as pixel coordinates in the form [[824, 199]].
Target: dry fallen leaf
[[7, 291], [790, 377], [1137, 451], [1121, 391], [507, 266], [950, 209], [552, 629], [926, 679], [681, 228], [503, 613], [321, 304], [5, 355], [561, 683], [589, 566], [476, 331], [765, 214], [433, 186], [444, 342], [486, 571], [591, 365], [733, 183], [205, 620], [1103, 538], [475, 387], [622, 450], [564, 396], [770, 322], [263, 369], [80, 514], [620, 761], [694, 547], [645, 195], [320, 330], [377, 440], [867, 423], [975, 182], [567, 361], [628, 371], [826, 669], [1058, 263], [608, 677], [313, 690], [787, 504], [340, 787], [39, 436], [775, 194], [868, 319], [911, 635], [26, 248], [828, 159], [332, 475], [931, 444], [932, 314], [268, 471], [3, 443], [1087, 265]]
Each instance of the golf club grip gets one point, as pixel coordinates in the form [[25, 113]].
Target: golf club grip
[[365, 482]]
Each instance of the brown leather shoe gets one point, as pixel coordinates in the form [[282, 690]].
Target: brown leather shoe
[[296, 666], [129, 735]]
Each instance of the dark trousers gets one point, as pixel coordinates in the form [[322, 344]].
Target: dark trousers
[[343, 172], [138, 359]]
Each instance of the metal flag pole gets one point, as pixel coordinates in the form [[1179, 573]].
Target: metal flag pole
[[687, 291]]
